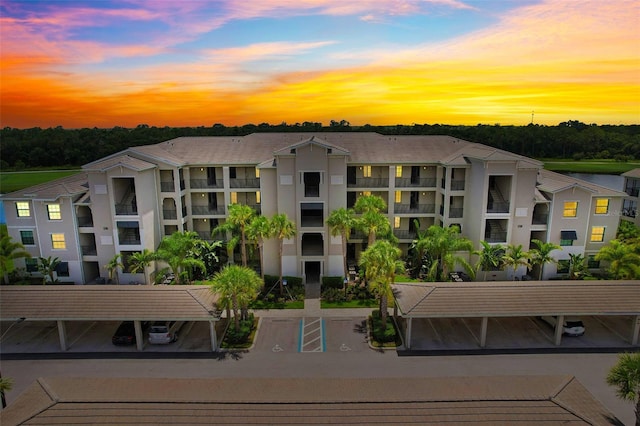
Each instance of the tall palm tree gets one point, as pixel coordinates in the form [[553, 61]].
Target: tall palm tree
[[443, 245], [623, 261], [238, 285], [9, 251], [140, 262], [259, 230], [369, 203], [380, 263], [419, 247], [340, 222], [516, 257], [177, 250], [625, 376], [373, 224], [491, 257], [47, 266], [541, 255], [239, 217], [112, 267], [282, 229]]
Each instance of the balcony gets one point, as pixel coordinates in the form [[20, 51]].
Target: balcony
[[167, 186], [427, 182], [405, 234], [497, 207], [207, 210], [169, 214], [244, 183], [129, 236], [357, 235], [205, 183], [126, 209], [496, 237], [629, 212], [369, 183], [455, 212], [89, 250], [540, 219], [457, 185], [415, 208]]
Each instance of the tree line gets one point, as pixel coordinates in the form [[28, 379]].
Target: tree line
[[56, 147]]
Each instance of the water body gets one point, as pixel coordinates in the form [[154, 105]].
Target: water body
[[615, 182]]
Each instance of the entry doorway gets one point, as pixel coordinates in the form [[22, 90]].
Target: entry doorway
[[312, 272]]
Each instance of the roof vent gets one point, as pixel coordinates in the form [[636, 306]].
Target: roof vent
[[293, 151]]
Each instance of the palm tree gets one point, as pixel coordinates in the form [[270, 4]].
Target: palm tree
[[443, 246], [578, 268], [237, 285], [623, 261], [541, 255], [282, 228], [47, 266], [6, 384], [419, 247], [369, 203], [625, 376], [380, 262], [491, 258], [258, 230], [140, 261], [240, 216], [372, 222], [177, 250], [207, 252], [9, 251], [340, 222], [112, 267], [516, 257]]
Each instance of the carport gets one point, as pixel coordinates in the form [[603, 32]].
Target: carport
[[519, 299], [109, 303]]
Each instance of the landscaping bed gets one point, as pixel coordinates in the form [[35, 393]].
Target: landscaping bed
[[242, 338], [383, 338]]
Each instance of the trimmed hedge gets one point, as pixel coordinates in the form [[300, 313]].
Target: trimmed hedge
[[332, 282]]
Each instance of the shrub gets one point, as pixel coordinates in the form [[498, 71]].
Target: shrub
[[332, 282], [381, 335], [240, 335], [333, 295]]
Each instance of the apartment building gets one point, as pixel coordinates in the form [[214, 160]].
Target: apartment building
[[632, 189], [128, 201]]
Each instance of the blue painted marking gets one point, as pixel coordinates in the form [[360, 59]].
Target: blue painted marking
[[300, 336]]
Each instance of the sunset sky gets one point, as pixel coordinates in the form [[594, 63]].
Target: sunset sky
[[195, 63]]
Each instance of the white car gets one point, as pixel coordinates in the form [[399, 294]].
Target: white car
[[571, 326], [162, 333]]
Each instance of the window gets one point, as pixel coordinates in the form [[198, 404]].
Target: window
[[597, 234], [23, 209], [234, 198], [592, 263], [602, 205], [568, 237], [398, 196], [396, 222], [31, 264], [232, 172], [563, 266], [398, 171], [57, 242], [366, 171], [54, 211], [570, 209], [62, 269], [257, 197], [366, 193], [565, 243], [27, 238], [257, 173]]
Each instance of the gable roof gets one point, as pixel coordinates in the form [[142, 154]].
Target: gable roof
[[120, 160], [553, 182], [635, 173], [68, 186], [313, 140], [436, 400]]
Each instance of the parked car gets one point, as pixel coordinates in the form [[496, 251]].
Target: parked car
[[163, 332], [125, 334], [571, 326]]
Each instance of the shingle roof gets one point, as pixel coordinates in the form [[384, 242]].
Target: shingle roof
[[533, 298], [121, 160], [635, 173], [526, 400], [72, 186], [106, 302], [552, 182]]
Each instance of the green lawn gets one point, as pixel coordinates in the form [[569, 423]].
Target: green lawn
[[14, 181], [358, 303], [590, 166]]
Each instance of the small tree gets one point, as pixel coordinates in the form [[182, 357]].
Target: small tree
[[624, 262], [47, 266], [282, 229], [625, 376], [239, 218], [140, 262], [541, 255], [112, 267], [6, 384], [177, 250], [239, 286], [340, 222], [578, 268], [9, 251], [259, 230], [516, 257], [491, 258]]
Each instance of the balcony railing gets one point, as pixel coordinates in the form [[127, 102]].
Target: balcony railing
[[244, 183], [369, 183], [170, 214], [457, 185], [89, 250], [497, 207], [207, 210], [455, 212], [426, 182], [632, 192], [358, 235], [405, 234], [629, 212], [540, 219], [126, 209], [416, 208], [85, 221], [205, 183], [167, 186]]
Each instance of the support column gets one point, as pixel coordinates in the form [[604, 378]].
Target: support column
[[137, 325], [212, 332], [62, 334], [408, 335], [559, 329], [636, 330], [483, 332]]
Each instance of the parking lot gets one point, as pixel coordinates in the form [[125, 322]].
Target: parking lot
[[339, 334]]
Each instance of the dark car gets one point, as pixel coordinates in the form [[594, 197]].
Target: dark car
[[125, 334]]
